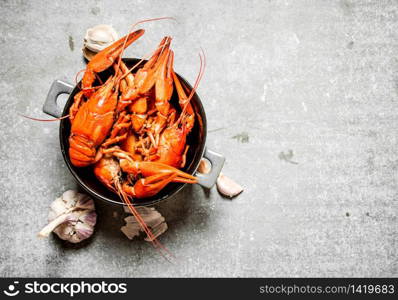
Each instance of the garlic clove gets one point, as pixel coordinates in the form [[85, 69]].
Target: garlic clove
[[84, 202], [204, 166], [65, 232], [89, 218], [227, 187], [102, 34], [69, 199], [82, 232], [99, 37]]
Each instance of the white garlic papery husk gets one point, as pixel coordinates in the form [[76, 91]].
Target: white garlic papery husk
[[99, 37], [227, 187], [152, 218], [72, 217]]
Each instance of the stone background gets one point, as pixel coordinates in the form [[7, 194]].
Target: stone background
[[301, 97]]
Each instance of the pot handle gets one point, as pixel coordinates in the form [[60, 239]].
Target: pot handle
[[217, 162], [57, 88]]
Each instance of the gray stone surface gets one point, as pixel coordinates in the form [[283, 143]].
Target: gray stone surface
[[301, 98]]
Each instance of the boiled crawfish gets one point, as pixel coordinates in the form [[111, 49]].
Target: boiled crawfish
[[92, 120]]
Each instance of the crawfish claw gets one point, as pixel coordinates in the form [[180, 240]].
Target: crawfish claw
[[150, 186], [105, 58]]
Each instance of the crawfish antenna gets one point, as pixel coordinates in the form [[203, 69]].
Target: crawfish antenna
[[44, 120], [202, 67], [132, 28], [158, 246], [146, 56]]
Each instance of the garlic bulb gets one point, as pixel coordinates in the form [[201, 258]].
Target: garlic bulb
[[72, 217], [99, 37], [152, 218], [227, 187]]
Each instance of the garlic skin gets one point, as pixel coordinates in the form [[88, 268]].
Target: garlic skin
[[72, 217], [99, 37], [227, 187], [158, 230], [152, 219]]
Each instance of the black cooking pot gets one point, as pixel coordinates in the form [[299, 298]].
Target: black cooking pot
[[85, 176]]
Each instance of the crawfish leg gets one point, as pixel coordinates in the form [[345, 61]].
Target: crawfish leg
[[114, 140], [118, 132], [130, 145], [105, 58], [127, 88], [77, 100], [184, 157], [139, 113]]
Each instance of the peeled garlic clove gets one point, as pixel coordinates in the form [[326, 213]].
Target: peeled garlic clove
[[227, 187], [72, 217], [99, 37], [204, 166]]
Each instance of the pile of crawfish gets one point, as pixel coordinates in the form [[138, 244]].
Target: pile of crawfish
[[126, 127]]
